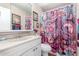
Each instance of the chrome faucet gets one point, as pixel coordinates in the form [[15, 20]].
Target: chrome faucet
[[2, 38]]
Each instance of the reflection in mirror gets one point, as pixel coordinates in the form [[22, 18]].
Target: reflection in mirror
[[16, 22], [23, 13], [5, 17]]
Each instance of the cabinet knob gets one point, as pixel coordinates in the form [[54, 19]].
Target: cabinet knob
[[36, 48], [33, 49]]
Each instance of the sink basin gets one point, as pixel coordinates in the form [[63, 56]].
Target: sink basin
[[2, 38], [20, 38]]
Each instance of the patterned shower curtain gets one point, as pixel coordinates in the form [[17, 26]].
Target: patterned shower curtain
[[58, 29]]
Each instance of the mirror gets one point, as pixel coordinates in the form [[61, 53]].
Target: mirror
[[15, 16], [21, 14]]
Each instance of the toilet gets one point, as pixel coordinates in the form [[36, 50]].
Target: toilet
[[45, 49]]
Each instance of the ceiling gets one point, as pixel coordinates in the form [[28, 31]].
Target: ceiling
[[48, 6], [24, 6], [43, 6]]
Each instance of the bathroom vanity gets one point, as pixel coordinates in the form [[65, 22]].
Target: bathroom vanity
[[23, 46], [12, 17]]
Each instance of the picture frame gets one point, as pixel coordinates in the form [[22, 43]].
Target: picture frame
[[28, 23], [36, 25], [35, 21], [35, 16], [16, 22]]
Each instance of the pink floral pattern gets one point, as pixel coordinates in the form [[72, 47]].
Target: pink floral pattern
[[58, 30]]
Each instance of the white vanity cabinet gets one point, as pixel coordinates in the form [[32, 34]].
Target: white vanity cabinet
[[30, 48]]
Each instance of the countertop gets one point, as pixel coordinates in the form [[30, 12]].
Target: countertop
[[13, 42]]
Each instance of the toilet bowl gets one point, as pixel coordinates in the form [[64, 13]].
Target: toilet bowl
[[45, 49]]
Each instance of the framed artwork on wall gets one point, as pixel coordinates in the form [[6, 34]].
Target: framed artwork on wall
[[16, 22], [35, 21], [36, 25], [35, 16], [28, 23]]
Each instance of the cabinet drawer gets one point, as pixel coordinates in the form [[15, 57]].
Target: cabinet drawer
[[35, 51], [21, 48], [38, 50]]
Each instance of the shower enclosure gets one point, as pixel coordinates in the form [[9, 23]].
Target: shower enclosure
[[58, 29]]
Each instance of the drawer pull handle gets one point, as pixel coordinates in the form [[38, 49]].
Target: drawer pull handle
[[33, 49], [36, 48]]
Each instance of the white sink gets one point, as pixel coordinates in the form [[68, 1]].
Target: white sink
[[21, 38]]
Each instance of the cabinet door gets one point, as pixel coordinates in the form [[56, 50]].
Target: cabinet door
[[37, 51], [5, 19], [29, 53]]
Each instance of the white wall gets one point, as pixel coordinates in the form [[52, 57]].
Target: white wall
[[38, 10], [5, 19], [77, 17], [77, 10], [6, 5]]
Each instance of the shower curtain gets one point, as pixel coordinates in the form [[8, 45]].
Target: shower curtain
[[58, 29]]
